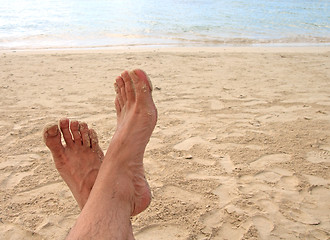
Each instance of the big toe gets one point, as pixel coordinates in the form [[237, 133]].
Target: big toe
[[141, 78], [52, 139]]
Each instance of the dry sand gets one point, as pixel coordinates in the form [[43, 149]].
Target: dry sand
[[241, 149]]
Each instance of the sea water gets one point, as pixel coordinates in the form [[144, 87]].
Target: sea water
[[33, 24]]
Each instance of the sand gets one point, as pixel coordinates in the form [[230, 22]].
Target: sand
[[241, 149]]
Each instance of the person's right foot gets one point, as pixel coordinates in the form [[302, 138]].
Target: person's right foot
[[137, 117]]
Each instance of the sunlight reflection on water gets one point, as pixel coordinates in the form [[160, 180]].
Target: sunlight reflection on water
[[83, 23]]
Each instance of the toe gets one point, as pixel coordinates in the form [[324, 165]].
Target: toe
[[130, 93], [140, 77], [64, 125], [142, 86], [95, 144], [52, 139], [118, 85], [84, 135], [121, 85], [118, 108], [74, 126]]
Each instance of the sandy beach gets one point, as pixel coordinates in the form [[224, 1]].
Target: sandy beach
[[241, 149]]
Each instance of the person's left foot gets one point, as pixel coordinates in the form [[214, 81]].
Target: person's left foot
[[79, 161]]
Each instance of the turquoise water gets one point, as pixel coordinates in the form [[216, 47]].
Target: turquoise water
[[28, 24]]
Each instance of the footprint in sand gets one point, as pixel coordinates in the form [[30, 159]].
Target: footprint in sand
[[162, 232]]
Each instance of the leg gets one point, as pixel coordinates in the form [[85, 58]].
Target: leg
[[79, 161], [121, 189]]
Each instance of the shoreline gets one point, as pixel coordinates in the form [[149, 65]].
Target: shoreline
[[125, 43], [270, 49]]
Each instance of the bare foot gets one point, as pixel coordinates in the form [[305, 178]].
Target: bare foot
[[79, 161], [136, 120], [137, 117], [120, 189]]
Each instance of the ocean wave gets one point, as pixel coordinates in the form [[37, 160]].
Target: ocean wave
[[75, 24], [118, 40]]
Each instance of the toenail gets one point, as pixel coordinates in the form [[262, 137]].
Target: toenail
[[52, 131]]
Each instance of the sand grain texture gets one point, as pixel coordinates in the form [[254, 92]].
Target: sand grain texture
[[241, 149]]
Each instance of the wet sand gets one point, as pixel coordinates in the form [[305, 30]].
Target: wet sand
[[241, 149]]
